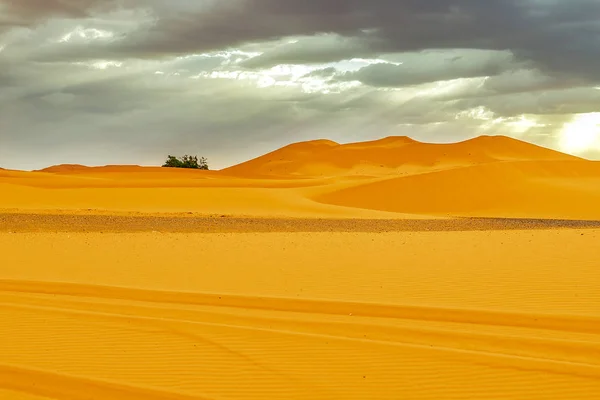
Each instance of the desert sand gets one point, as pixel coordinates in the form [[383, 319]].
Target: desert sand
[[389, 269]]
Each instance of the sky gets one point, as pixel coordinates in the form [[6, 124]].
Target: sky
[[100, 82]]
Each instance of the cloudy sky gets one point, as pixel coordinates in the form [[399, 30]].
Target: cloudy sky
[[130, 81]]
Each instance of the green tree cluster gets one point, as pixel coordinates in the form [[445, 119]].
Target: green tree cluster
[[186, 162]]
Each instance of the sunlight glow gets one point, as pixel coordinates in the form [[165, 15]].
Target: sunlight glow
[[86, 34], [479, 113], [101, 64], [446, 88], [582, 133]]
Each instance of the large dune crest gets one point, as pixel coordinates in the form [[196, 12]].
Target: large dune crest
[[390, 155]]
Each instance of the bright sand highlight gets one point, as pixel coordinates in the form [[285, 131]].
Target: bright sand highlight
[[286, 298]]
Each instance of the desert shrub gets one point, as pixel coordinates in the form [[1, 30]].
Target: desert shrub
[[186, 161]]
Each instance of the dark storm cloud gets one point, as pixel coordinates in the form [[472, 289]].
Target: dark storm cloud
[[29, 12], [560, 37]]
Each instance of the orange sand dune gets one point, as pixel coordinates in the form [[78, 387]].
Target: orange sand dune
[[84, 169], [392, 155], [66, 168], [130, 172], [71, 169], [395, 177], [264, 202], [529, 189]]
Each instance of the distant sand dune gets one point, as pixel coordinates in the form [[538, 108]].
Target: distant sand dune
[[389, 155], [394, 177]]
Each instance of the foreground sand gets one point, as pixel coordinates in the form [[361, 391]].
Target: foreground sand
[[438, 314]]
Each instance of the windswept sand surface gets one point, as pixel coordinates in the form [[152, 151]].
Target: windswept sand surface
[[389, 269], [346, 315]]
